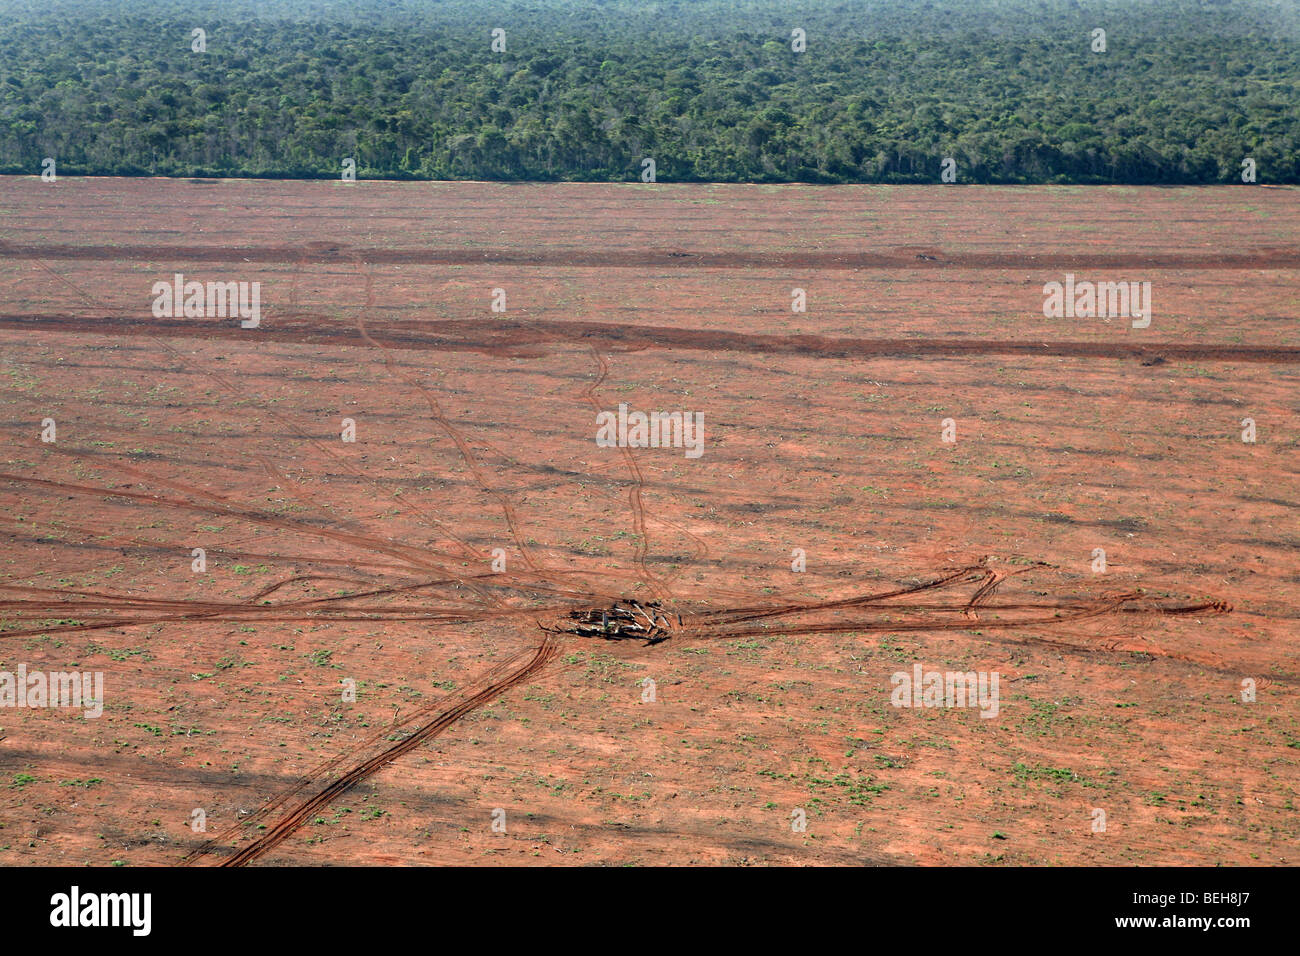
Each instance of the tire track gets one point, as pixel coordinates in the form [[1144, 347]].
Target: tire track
[[637, 506], [411, 556], [299, 813], [233, 392], [508, 337], [318, 789], [1279, 257], [458, 439]]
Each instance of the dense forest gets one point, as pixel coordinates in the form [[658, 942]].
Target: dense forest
[[1015, 91]]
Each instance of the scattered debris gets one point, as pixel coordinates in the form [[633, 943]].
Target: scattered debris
[[626, 619]]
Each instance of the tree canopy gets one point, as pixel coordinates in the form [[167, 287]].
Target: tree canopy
[[1014, 91]]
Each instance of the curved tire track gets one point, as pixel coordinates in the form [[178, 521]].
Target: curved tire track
[[300, 812]]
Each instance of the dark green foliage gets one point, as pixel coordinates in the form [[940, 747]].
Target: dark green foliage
[[711, 90]]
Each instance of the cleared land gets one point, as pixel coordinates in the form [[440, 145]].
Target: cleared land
[[372, 561]]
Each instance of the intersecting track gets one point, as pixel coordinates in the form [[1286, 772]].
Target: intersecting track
[[336, 776], [435, 589]]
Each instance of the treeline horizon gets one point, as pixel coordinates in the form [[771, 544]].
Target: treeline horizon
[[1013, 91]]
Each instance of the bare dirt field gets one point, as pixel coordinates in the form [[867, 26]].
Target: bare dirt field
[[1146, 712]]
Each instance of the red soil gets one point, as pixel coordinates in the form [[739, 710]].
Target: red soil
[[372, 561]]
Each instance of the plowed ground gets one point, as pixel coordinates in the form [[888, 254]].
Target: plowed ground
[[370, 563]]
